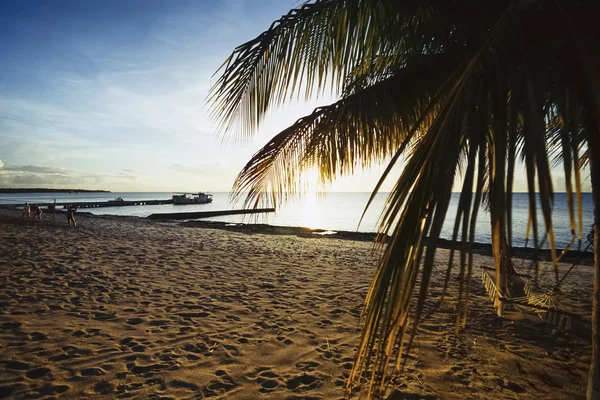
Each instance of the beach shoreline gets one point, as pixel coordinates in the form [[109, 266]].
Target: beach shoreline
[[570, 255], [585, 258], [126, 307]]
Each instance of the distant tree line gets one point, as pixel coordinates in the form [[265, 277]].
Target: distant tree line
[[45, 190]]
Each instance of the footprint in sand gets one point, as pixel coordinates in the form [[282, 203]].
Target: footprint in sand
[[269, 381], [103, 387], [6, 391], [102, 316], [307, 365], [138, 348], [79, 333], [256, 372], [324, 323], [159, 322], [134, 345], [62, 357], [309, 334], [93, 371], [49, 389], [515, 387], [11, 325], [329, 351], [128, 390], [231, 350], [197, 348], [220, 386], [37, 373], [268, 385], [303, 383], [506, 384], [284, 340], [16, 365], [180, 384], [162, 385], [202, 314], [146, 369], [37, 336], [185, 329]]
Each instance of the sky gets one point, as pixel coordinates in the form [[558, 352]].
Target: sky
[[112, 94]]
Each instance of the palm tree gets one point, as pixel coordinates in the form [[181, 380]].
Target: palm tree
[[460, 90]]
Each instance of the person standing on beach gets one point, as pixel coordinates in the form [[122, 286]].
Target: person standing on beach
[[37, 212], [71, 214], [26, 211]]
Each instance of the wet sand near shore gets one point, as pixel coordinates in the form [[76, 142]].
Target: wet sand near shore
[[127, 308]]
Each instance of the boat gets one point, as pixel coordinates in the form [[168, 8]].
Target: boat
[[117, 200], [192, 198]]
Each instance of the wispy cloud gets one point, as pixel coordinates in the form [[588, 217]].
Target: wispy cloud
[[111, 95], [27, 176], [120, 92], [39, 170]]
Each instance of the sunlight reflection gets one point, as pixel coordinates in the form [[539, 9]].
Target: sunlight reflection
[[311, 210]]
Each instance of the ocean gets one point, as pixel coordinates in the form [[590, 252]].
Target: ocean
[[333, 211]]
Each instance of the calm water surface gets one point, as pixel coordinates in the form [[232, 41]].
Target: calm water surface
[[333, 211]]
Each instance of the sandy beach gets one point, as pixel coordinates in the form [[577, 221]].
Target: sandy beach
[[127, 308]]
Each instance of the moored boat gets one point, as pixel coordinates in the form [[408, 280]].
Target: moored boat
[[192, 198]]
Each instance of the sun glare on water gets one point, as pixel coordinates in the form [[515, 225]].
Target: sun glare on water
[[311, 210]]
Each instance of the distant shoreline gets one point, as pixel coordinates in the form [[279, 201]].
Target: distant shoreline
[[571, 256], [38, 190]]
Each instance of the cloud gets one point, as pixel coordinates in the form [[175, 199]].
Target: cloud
[[130, 109], [39, 170], [1, 164], [27, 176]]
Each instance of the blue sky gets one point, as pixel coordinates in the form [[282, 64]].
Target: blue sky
[[111, 94]]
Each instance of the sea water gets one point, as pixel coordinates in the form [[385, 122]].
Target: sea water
[[336, 211]]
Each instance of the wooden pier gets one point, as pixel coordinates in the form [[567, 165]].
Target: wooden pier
[[95, 204], [208, 214], [123, 203]]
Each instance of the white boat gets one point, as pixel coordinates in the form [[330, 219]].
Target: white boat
[[192, 198]]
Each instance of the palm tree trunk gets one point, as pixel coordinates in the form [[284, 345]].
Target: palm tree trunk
[[593, 391]]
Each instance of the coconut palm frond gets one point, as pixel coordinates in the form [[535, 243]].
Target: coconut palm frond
[[567, 156], [326, 41], [510, 89], [423, 212], [506, 115], [369, 74], [300, 48], [356, 131]]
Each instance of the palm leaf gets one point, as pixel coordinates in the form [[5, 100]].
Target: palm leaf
[[362, 128], [514, 100], [328, 40]]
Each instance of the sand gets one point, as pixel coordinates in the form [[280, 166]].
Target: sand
[[126, 308]]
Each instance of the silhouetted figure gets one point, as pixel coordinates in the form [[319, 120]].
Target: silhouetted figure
[[37, 212], [71, 215], [26, 211]]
